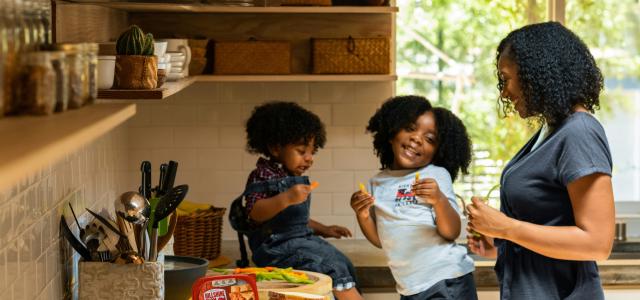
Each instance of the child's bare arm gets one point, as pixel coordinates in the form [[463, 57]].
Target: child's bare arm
[[447, 218], [267, 208], [362, 203]]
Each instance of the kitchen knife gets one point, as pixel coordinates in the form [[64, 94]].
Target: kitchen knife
[[106, 223], [170, 177], [163, 174], [75, 244], [145, 168]]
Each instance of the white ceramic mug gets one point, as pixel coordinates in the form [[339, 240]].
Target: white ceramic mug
[[106, 70], [180, 45], [159, 48]]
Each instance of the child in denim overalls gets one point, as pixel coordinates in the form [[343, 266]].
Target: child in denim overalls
[[281, 233]]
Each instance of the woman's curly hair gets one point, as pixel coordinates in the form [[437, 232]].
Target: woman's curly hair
[[280, 123], [555, 69], [454, 147]]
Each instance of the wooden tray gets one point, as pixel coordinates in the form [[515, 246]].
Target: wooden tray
[[322, 285]]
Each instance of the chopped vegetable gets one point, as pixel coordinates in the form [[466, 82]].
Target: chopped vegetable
[[314, 184], [363, 188]]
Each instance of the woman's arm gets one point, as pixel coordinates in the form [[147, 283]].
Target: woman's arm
[[590, 239]]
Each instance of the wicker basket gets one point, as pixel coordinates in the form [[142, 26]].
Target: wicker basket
[[252, 57], [350, 56], [199, 234], [306, 3]]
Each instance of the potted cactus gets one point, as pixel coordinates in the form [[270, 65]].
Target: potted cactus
[[136, 66]]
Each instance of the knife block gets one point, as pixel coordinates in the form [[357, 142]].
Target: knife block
[[109, 281]]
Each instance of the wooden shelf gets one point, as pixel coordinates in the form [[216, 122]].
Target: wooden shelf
[[293, 78], [168, 88], [30, 143], [204, 8]]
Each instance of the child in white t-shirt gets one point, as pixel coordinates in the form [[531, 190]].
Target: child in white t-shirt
[[409, 208]]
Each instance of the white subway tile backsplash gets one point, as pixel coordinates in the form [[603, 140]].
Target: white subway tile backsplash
[[353, 114], [323, 111], [373, 92], [321, 204], [178, 115], [29, 217], [332, 181], [223, 114], [150, 137], [339, 136], [186, 158], [362, 139], [287, 91], [232, 137], [142, 117], [331, 92], [342, 204], [323, 160], [220, 159], [195, 137], [353, 159], [243, 92]]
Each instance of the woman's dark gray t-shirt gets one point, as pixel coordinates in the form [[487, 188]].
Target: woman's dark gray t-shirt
[[534, 189]]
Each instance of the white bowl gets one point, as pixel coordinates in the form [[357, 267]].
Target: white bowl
[[106, 70]]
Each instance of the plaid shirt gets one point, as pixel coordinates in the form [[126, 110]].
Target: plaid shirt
[[265, 170]]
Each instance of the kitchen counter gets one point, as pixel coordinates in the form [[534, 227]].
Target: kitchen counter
[[620, 271]]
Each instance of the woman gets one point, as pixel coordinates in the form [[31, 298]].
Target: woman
[[556, 213]]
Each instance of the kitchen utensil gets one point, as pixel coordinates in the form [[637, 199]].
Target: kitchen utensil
[[82, 231], [145, 185], [75, 244], [163, 174], [167, 204], [106, 223], [164, 240], [170, 179], [128, 229], [133, 207]]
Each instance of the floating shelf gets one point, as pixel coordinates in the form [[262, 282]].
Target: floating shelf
[[293, 78], [168, 88], [204, 8], [32, 142]]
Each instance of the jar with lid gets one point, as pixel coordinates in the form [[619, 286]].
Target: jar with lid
[[59, 64], [78, 90], [38, 84], [92, 63]]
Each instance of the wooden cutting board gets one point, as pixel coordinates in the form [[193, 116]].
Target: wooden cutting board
[[322, 285]]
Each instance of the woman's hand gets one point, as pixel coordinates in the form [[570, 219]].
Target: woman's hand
[[428, 191], [335, 231], [361, 203], [298, 193], [486, 220], [481, 245]]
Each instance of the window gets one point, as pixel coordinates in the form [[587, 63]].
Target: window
[[446, 51]]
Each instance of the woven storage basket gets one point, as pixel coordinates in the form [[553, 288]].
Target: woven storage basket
[[199, 234], [306, 3], [252, 57], [350, 56]]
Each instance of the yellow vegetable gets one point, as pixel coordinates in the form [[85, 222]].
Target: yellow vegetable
[[363, 188]]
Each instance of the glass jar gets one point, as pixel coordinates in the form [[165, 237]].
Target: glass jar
[[38, 84], [92, 61], [78, 81], [59, 64]]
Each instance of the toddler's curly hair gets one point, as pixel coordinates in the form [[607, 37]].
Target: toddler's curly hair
[[279, 123]]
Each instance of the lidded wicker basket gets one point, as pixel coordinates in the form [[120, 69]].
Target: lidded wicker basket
[[199, 234], [350, 56]]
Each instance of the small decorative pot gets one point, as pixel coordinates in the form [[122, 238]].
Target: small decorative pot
[[134, 72]]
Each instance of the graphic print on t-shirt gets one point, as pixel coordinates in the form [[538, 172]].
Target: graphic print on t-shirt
[[405, 196]]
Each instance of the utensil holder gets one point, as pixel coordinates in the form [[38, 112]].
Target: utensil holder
[[109, 281]]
